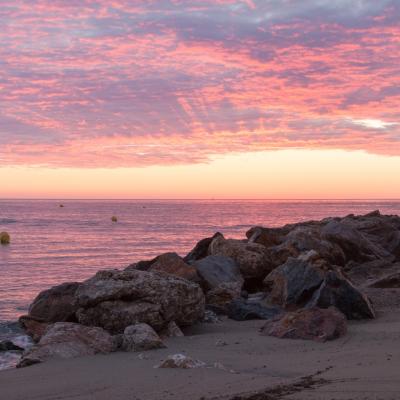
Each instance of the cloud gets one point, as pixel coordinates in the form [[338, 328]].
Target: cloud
[[133, 83]]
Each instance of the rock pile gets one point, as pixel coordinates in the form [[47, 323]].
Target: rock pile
[[306, 279]]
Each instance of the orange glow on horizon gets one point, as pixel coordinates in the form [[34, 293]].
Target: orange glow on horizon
[[286, 174]]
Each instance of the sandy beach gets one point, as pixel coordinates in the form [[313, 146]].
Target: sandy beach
[[364, 364]]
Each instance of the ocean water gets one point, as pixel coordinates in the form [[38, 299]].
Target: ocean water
[[52, 244]]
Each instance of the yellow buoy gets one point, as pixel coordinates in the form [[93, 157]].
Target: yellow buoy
[[5, 238]]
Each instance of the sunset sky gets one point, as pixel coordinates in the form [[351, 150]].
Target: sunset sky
[[200, 99]]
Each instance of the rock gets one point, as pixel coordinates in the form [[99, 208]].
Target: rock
[[68, 340], [171, 263], [339, 292], [200, 250], [172, 330], [181, 361], [115, 299], [310, 324], [216, 270], [240, 310], [34, 328], [7, 345], [250, 257], [210, 317], [356, 239], [304, 283], [388, 281], [140, 337], [293, 283], [223, 295], [353, 243], [268, 237], [57, 304]]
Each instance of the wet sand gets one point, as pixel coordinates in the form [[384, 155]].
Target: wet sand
[[365, 364]]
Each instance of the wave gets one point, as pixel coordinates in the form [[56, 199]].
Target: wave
[[8, 221]]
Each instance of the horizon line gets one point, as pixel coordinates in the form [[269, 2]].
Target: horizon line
[[196, 199]]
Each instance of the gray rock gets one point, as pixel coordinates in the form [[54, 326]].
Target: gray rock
[[181, 361], [315, 283], [68, 340], [140, 337], [240, 310], [216, 270], [293, 282], [339, 292], [115, 299], [171, 330], [355, 245]]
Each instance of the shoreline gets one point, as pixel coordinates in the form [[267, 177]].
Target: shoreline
[[364, 363]]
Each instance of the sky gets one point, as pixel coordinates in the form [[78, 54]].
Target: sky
[[200, 99]]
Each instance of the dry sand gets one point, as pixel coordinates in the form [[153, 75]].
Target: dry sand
[[365, 364]]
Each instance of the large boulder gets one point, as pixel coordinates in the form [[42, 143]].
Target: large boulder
[[216, 270], [355, 245], [141, 337], [294, 282], [56, 304], [339, 292], [309, 282], [310, 324], [250, 257], [115, 299], [69, 340]]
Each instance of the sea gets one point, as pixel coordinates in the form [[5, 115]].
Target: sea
[[54, 241]]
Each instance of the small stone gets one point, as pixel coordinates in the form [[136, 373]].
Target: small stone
[[181, 361], [141, 337]]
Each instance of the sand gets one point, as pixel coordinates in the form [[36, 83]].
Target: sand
[[365, 364]]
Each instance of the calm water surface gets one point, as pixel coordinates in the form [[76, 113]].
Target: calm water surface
[[51, 244]]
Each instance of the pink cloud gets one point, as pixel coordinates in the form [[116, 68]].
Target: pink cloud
[[129, 83]]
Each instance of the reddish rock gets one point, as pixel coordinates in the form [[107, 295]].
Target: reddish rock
[[57, 304], [34, 328], [172, 264], [310, 324]]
